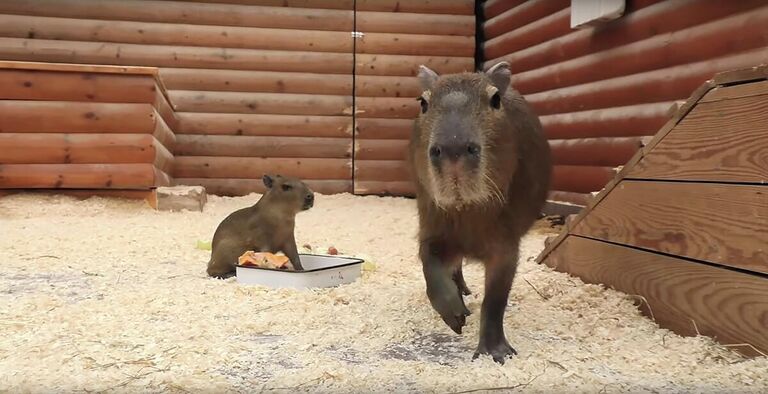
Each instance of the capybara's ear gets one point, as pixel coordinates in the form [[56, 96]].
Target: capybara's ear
[[427, 77], [268, 181], [500, 76]]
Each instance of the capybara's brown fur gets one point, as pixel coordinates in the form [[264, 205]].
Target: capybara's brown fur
[[482, 167], [266, 226]]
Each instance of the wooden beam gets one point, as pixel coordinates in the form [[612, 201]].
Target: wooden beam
[[395, 188], [519, 16], [629, 121], [242, 187], [21, 116], [62, 148], [369, 149], [408, 66], [246, 146], [451, 7], [415, 23], [264, 125], [386, 107], [581, 179], [607, 151], [256, 81], [260, 103], [382, 170], [416, 44], [80, 176], [686, 297], [256, 167]]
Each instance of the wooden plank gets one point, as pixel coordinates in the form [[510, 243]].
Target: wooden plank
[[61, 148], [164, 159], [242, 187], [260, 103], [256, 81], [20, 116], [522, 15], [408, 66], [629, 121], [330, 4], [541, 30], [164, 110], [246, 146], [386, 107], [163, 134], [256, 167], [176, 56], [406, 189], [382, 170], [81, 68], [77, 176], [16, 84], [758, 72], [568, 197], [264, 125], [451, 7], [186, 13], [722, 224], [413, 23], [736, 91], [416, 44], [686, 297], [174, 34], [607, 151], [385, 86], [373, 128], [493, 8], [581, 179], [381, 149], [717, 141]]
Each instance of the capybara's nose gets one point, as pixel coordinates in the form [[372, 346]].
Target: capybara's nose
[[309, 198], [454, 152]]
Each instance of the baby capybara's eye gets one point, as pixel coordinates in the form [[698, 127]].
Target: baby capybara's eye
[[287, 188]]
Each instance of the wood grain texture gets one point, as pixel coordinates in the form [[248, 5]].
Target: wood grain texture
[[382, 170], [264, 125], [736, 91], [246, 146], [385, 86], [76, 86], [62, 148], [608, 151], [260, 103], [256, 81], [386, 188], [78, 68], [386, 107], [415, 23], [580, 179], [407, 66], [80, 176], [374, 128], [717, 141], [149, 195], [722, 224], [683, 296], [242, 187], [381, 149], [256, 167], [416, 44], [451, 7], [20, 116]]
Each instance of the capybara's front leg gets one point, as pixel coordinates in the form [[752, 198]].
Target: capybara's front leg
[[499, 274], [438, 265], [291, 251]]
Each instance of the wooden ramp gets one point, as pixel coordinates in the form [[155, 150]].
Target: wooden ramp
[[684, 225]]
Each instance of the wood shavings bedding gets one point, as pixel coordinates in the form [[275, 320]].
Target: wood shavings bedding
[[109, 295]]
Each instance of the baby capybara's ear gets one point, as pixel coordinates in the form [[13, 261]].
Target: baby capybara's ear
[[268, 181]]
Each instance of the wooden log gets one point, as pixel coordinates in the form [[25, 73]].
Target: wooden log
[[76, 86], [415, 44], [255, 81], [256, 167], [410, 23], [381, 149], [386, 107], [689, 298], [264, 125], [605, 152], [408, 66], [174, 34], [78, 176], [384, 86], [494, 8], [630, 121], [245, 146], [164, 159], [382, 170], [148, 195], [723, 141], [383, 129], [164, 56], [242, 187], [61, 148], [718, 38], [164, 110], [397, 188], [580, 179], [536, 32], [581, 199], [78, 68], [721, 224], [186, 13], [163, 134], [665, 84], [75, 117], [260, 103], [660, 18], [451, 7], [330, 4], [522, 15]]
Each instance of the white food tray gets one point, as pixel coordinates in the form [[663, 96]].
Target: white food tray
[[319, 271]]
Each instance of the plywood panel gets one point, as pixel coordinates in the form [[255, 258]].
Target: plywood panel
[[255, 167], [241, 187], [687, 297], [264, 125], [723, 224], [246, 146], [19, 116], [717, 141]]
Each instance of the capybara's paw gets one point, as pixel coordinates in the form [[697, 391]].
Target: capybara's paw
[[500, 350], [450, 306]]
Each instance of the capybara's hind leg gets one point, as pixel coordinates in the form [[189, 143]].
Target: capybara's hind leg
[[443, 293], [458, 277]]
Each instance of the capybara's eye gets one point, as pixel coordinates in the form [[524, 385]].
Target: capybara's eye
[[424, 104], [287, 187], [496, 101]]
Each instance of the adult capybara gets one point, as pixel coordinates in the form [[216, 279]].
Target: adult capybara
[[266, 226], [482, 169]]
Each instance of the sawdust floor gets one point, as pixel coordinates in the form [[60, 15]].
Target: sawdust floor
[[109, 295]]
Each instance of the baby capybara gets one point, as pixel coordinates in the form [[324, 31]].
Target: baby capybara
[[266, 226], [482, 169]]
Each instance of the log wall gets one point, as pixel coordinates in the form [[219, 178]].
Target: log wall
[[73, 127], [601, 89]]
